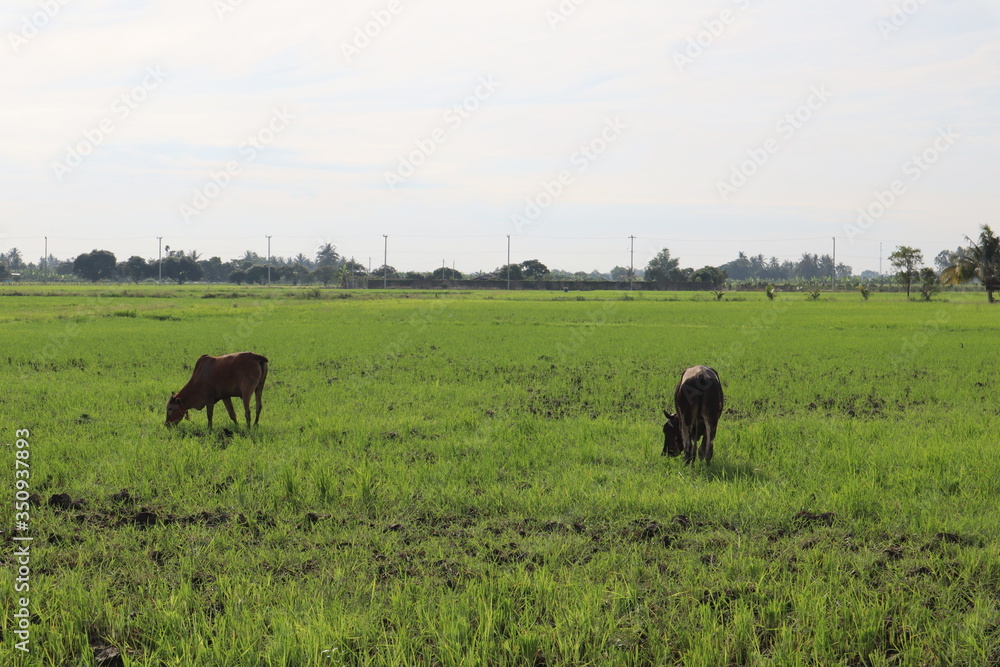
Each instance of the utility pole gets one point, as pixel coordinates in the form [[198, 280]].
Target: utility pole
[[268, 261], [508, 262], [45, 264], [159, 254], [385, 260], [880, 258], [631, 267], [834, 277]]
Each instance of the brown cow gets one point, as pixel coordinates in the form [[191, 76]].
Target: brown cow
[[699, 401], [214, 378]]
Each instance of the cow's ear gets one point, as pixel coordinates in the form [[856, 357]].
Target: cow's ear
[[667, 414]]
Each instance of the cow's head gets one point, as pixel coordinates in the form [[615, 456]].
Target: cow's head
[[175, 411], [672, 443]]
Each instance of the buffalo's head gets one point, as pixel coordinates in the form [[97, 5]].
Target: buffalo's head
[[175, 411], [672, 443]]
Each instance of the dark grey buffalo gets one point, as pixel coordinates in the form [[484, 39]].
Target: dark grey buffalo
[[698, 399]]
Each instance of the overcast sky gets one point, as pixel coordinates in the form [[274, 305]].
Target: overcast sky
[[766, 126]]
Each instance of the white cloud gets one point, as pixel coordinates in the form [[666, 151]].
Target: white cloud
[[353, 121]]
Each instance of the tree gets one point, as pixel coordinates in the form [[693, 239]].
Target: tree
[[304, 261], [807, 267], [181, 269], [4, 273], [709, 274], [446, 273], [95, 265], [907, 261], [659, 267], [385, 271], [327, 255], [929, 283], [514, 269], [237, 276], [680, 275], [135, 269], [257, 274], [825, 266], [213, 270], [619, 273], [946, 258], [979, 261], [14, 259], [355, 269], [740, 268], [326, 274], [533, 269], [249, 258], [298, 273]]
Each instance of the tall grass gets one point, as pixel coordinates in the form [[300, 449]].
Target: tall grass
[[477, 479]]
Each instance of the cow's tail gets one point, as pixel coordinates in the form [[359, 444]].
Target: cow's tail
[[262, 360]]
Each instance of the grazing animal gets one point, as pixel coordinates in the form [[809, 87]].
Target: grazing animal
[[220, 378], [698, 400]]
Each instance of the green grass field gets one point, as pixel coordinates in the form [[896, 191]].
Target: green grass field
[[476, 479]]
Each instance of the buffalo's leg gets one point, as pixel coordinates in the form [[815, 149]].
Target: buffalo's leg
[[229, 408]]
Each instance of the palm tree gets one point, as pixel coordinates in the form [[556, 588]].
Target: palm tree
[[327, 255], [979, 261], [14, 259]]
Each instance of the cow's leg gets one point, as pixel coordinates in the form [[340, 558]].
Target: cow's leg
[[209, 409], [706, 442], [229, 408], [686, 440], [246, 407], [257, 393]]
